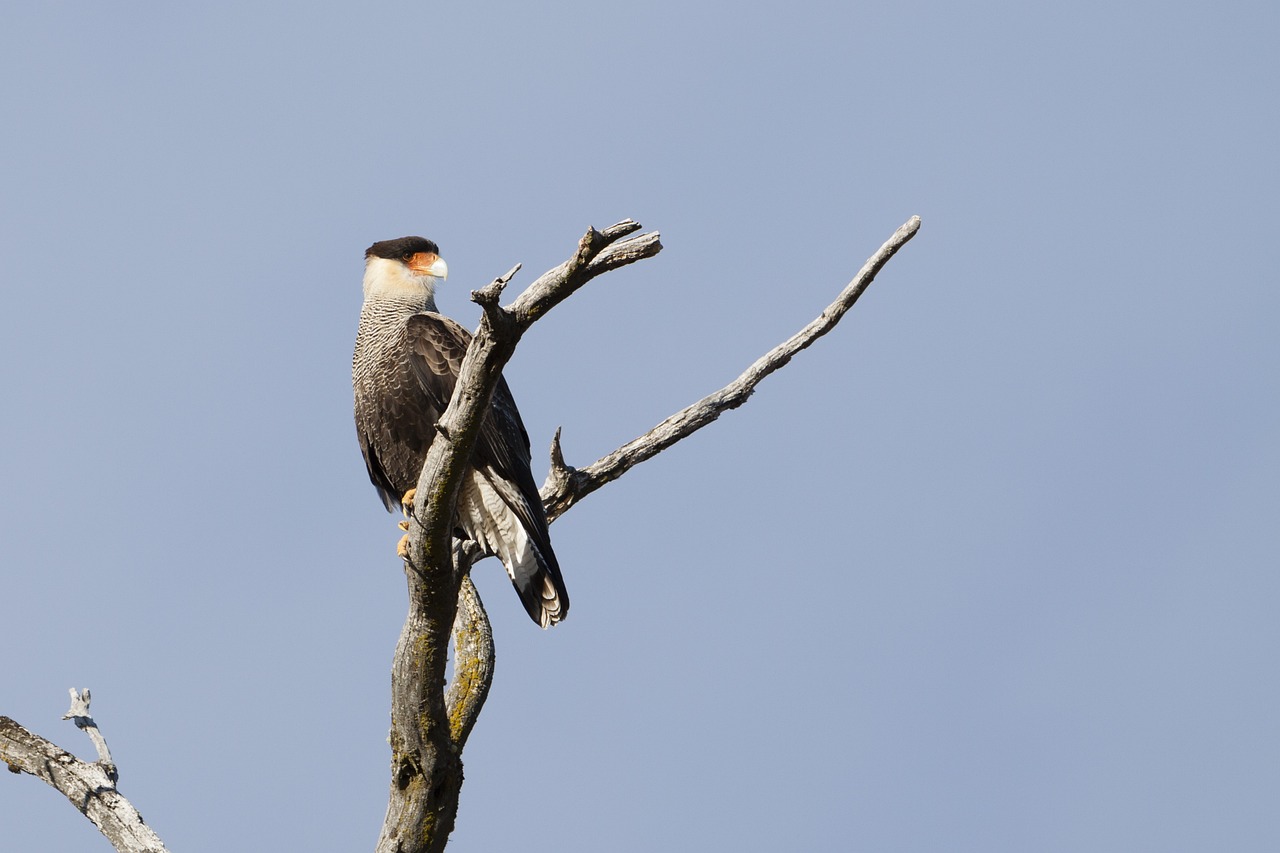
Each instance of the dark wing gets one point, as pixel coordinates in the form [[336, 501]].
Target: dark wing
[[437, 346], [378, 474], [399, 401]]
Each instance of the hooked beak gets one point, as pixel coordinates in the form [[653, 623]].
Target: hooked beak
[[429, 263]]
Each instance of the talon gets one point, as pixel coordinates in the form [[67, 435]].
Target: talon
[[406, 502], [402, 550], [403, 525]]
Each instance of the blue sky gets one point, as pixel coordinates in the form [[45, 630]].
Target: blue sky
[[991, 567]]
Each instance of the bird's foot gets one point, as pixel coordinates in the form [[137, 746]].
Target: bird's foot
[[406, 506]]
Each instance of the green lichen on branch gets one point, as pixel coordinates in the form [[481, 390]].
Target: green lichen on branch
[[469, 675]]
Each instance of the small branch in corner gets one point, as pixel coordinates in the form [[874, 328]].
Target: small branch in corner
[[89, 786]]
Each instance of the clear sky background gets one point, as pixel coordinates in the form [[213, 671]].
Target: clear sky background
[[993, 567]]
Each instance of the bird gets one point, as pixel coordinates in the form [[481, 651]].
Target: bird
[[406, 363]]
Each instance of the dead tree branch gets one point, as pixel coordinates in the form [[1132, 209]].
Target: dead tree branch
[[566, 486], [91, 787], [430, 726]]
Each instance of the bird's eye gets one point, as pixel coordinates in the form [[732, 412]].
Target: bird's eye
[[406, 257]]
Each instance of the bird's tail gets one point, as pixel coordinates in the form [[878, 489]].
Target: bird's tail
[[495, 513]]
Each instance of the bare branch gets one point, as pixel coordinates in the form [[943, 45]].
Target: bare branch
[[566, 486], [91, 787]]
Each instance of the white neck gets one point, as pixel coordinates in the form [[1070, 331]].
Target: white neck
[[391, 280]]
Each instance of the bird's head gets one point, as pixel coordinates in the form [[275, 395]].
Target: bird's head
[[405, 269]]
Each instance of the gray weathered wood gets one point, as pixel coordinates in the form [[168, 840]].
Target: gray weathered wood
[[90, 786]]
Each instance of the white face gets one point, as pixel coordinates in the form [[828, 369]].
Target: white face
[[413, 278]]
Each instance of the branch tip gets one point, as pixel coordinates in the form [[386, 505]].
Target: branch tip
[[627, 251], [558, 465], [509, 274], [621, 229], [79, 710], [487, 297]]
